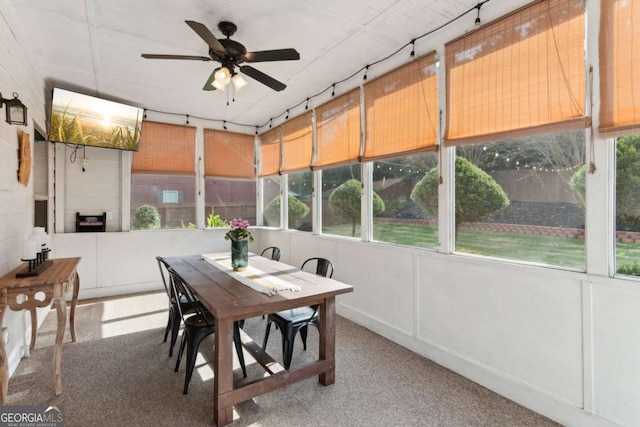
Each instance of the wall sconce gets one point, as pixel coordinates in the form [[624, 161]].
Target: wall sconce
[[16, 110]]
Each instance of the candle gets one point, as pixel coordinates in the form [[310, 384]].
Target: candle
[[38, 236], [29, 250]]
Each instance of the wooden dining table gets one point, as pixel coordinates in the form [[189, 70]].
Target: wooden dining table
[[229, 299]]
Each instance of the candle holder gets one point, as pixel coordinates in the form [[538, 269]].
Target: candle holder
[[35, 265]]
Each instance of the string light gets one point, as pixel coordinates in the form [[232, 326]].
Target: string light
[[478, 16], [224, 125], [333, 93], [270, 122], [187, 119], [413, 48], [287, 117], [144, 114], [306, 107], [366, 70]]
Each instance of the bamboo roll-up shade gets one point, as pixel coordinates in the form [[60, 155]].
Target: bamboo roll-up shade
[[228, 154], [165, 148], [401, 110], [338, 130], [297, 143], [619, 67], [523, 72], [270, 152]]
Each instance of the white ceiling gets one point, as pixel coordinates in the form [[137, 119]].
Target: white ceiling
[[94, 47]]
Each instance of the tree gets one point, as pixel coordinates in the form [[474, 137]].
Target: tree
[[297, 211], [345, 202], [146, 217], [627, 182], [477, 193]]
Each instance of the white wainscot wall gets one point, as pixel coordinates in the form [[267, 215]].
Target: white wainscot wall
[[121, 263], [523, 331]]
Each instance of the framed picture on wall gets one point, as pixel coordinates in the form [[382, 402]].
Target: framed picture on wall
[[24, 159]]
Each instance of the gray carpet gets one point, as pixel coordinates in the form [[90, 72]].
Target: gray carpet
[[119, 374]]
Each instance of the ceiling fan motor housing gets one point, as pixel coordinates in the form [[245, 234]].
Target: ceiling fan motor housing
[[234, 52]]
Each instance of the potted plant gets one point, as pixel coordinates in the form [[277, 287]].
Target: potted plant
[[240, 236]]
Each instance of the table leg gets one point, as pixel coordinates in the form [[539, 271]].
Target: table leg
[[74, 301], [327, 350], [223, 370], [34, 328], [61, 311], [4, 364]]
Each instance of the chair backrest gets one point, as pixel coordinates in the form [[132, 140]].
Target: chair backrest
[[184, 293], [275, 252], [163, 266], [324, 267]]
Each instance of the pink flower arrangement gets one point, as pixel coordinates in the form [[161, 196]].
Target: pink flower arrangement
[[239, 230]]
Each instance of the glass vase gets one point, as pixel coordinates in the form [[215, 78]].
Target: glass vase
[[239, 254]]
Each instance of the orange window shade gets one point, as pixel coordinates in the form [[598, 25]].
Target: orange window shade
[[270, 152], [520, 75], [165, 148], [619, 77], [228, 154], [297, 143], [338, 124], [401, 110]]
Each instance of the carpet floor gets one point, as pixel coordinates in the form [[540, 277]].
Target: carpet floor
[[118, 373]]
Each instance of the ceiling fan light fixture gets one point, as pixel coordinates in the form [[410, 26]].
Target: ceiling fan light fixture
[[238, 81], [218, 85], [223, 76]]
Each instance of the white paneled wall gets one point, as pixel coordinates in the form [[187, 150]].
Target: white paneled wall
[[16, 200]]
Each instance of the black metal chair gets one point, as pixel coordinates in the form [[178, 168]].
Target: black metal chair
[[275, 252], [174, 321], [291, 321], [197, 327]]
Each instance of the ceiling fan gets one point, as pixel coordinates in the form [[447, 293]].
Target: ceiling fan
[[230, 54]]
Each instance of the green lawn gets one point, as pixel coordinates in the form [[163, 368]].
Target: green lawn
[[559, 251]]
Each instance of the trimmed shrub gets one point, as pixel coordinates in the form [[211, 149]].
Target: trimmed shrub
[[297, 210], [345, 202], [146, 217], [477, 193]]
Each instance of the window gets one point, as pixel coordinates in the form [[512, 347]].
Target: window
[[410, 215], [300, 201], [230, 189], [341, 201], [620, 116], [163, 181], [521, 199], [170, 196], [226, 199], [271, 200], [628, 205]]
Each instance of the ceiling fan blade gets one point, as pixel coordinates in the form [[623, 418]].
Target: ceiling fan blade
[[262, 78], [206, 35], [273, 55], [188, 57], [208, 85]]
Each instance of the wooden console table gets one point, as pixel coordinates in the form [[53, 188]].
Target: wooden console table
[[26, 294]]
